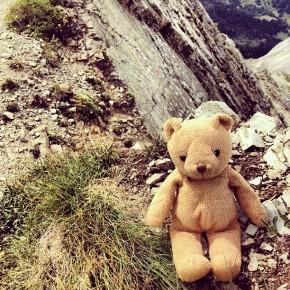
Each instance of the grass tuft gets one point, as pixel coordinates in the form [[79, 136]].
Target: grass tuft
[[43, 20], [63, 228]]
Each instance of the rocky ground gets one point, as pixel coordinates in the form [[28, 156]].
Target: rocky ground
[[55, 97]]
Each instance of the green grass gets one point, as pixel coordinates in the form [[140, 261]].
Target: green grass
[[62, 228], [43, 20]]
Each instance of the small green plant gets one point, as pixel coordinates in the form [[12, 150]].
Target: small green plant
[[87, 107], [64, 228], [42, 19]]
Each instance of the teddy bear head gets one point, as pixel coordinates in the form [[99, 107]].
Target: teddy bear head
[[200, 148]]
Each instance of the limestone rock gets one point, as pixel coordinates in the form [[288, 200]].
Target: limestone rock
[[266, 247], [256, 181], [253, 264], [281, 227], [278, 155], [155, 178], [271, 209], [8, 116], [173, 58], [283, 287], [248, 242], [260, 257], [163, 162], [272, 263], [251, 230], [284, 258], [138, 146], [249, 138], [263, 123], [280, 205], [210, 108]]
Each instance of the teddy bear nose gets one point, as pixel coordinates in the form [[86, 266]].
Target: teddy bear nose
[[201, 168]]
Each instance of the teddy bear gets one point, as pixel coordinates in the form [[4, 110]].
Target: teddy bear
[[202, 194]]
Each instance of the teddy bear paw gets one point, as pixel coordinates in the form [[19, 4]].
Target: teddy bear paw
[[192, 268]]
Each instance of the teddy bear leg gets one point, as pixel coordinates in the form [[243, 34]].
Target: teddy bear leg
[[225, 253], [188, 257]]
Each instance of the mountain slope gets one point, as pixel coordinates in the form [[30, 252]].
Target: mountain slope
[[256, 26], [273, 71], [277, 60]]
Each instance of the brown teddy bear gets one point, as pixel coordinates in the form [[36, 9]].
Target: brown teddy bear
[[202, 192]]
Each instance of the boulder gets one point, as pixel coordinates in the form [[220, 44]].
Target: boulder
[[249, 138], [210, 108], [263, 123]]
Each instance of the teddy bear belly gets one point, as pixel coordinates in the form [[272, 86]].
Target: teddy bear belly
[[205, 214]]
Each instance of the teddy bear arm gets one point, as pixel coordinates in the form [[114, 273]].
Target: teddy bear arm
[[162, 201], [247, 198]]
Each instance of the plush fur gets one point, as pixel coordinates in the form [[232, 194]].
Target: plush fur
[[202, 193]]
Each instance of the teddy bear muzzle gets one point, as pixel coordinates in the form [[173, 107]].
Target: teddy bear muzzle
[[201, 168]]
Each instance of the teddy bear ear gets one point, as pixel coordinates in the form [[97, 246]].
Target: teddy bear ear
[[171, 126], [224, 120]]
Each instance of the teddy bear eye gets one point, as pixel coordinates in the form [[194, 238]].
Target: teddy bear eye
[[217, 152], [182, 158]]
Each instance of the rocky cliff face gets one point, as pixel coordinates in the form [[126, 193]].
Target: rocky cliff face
[[273, 71], [173, 58]]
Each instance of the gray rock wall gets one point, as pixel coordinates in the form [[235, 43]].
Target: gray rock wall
[[173, 58]]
